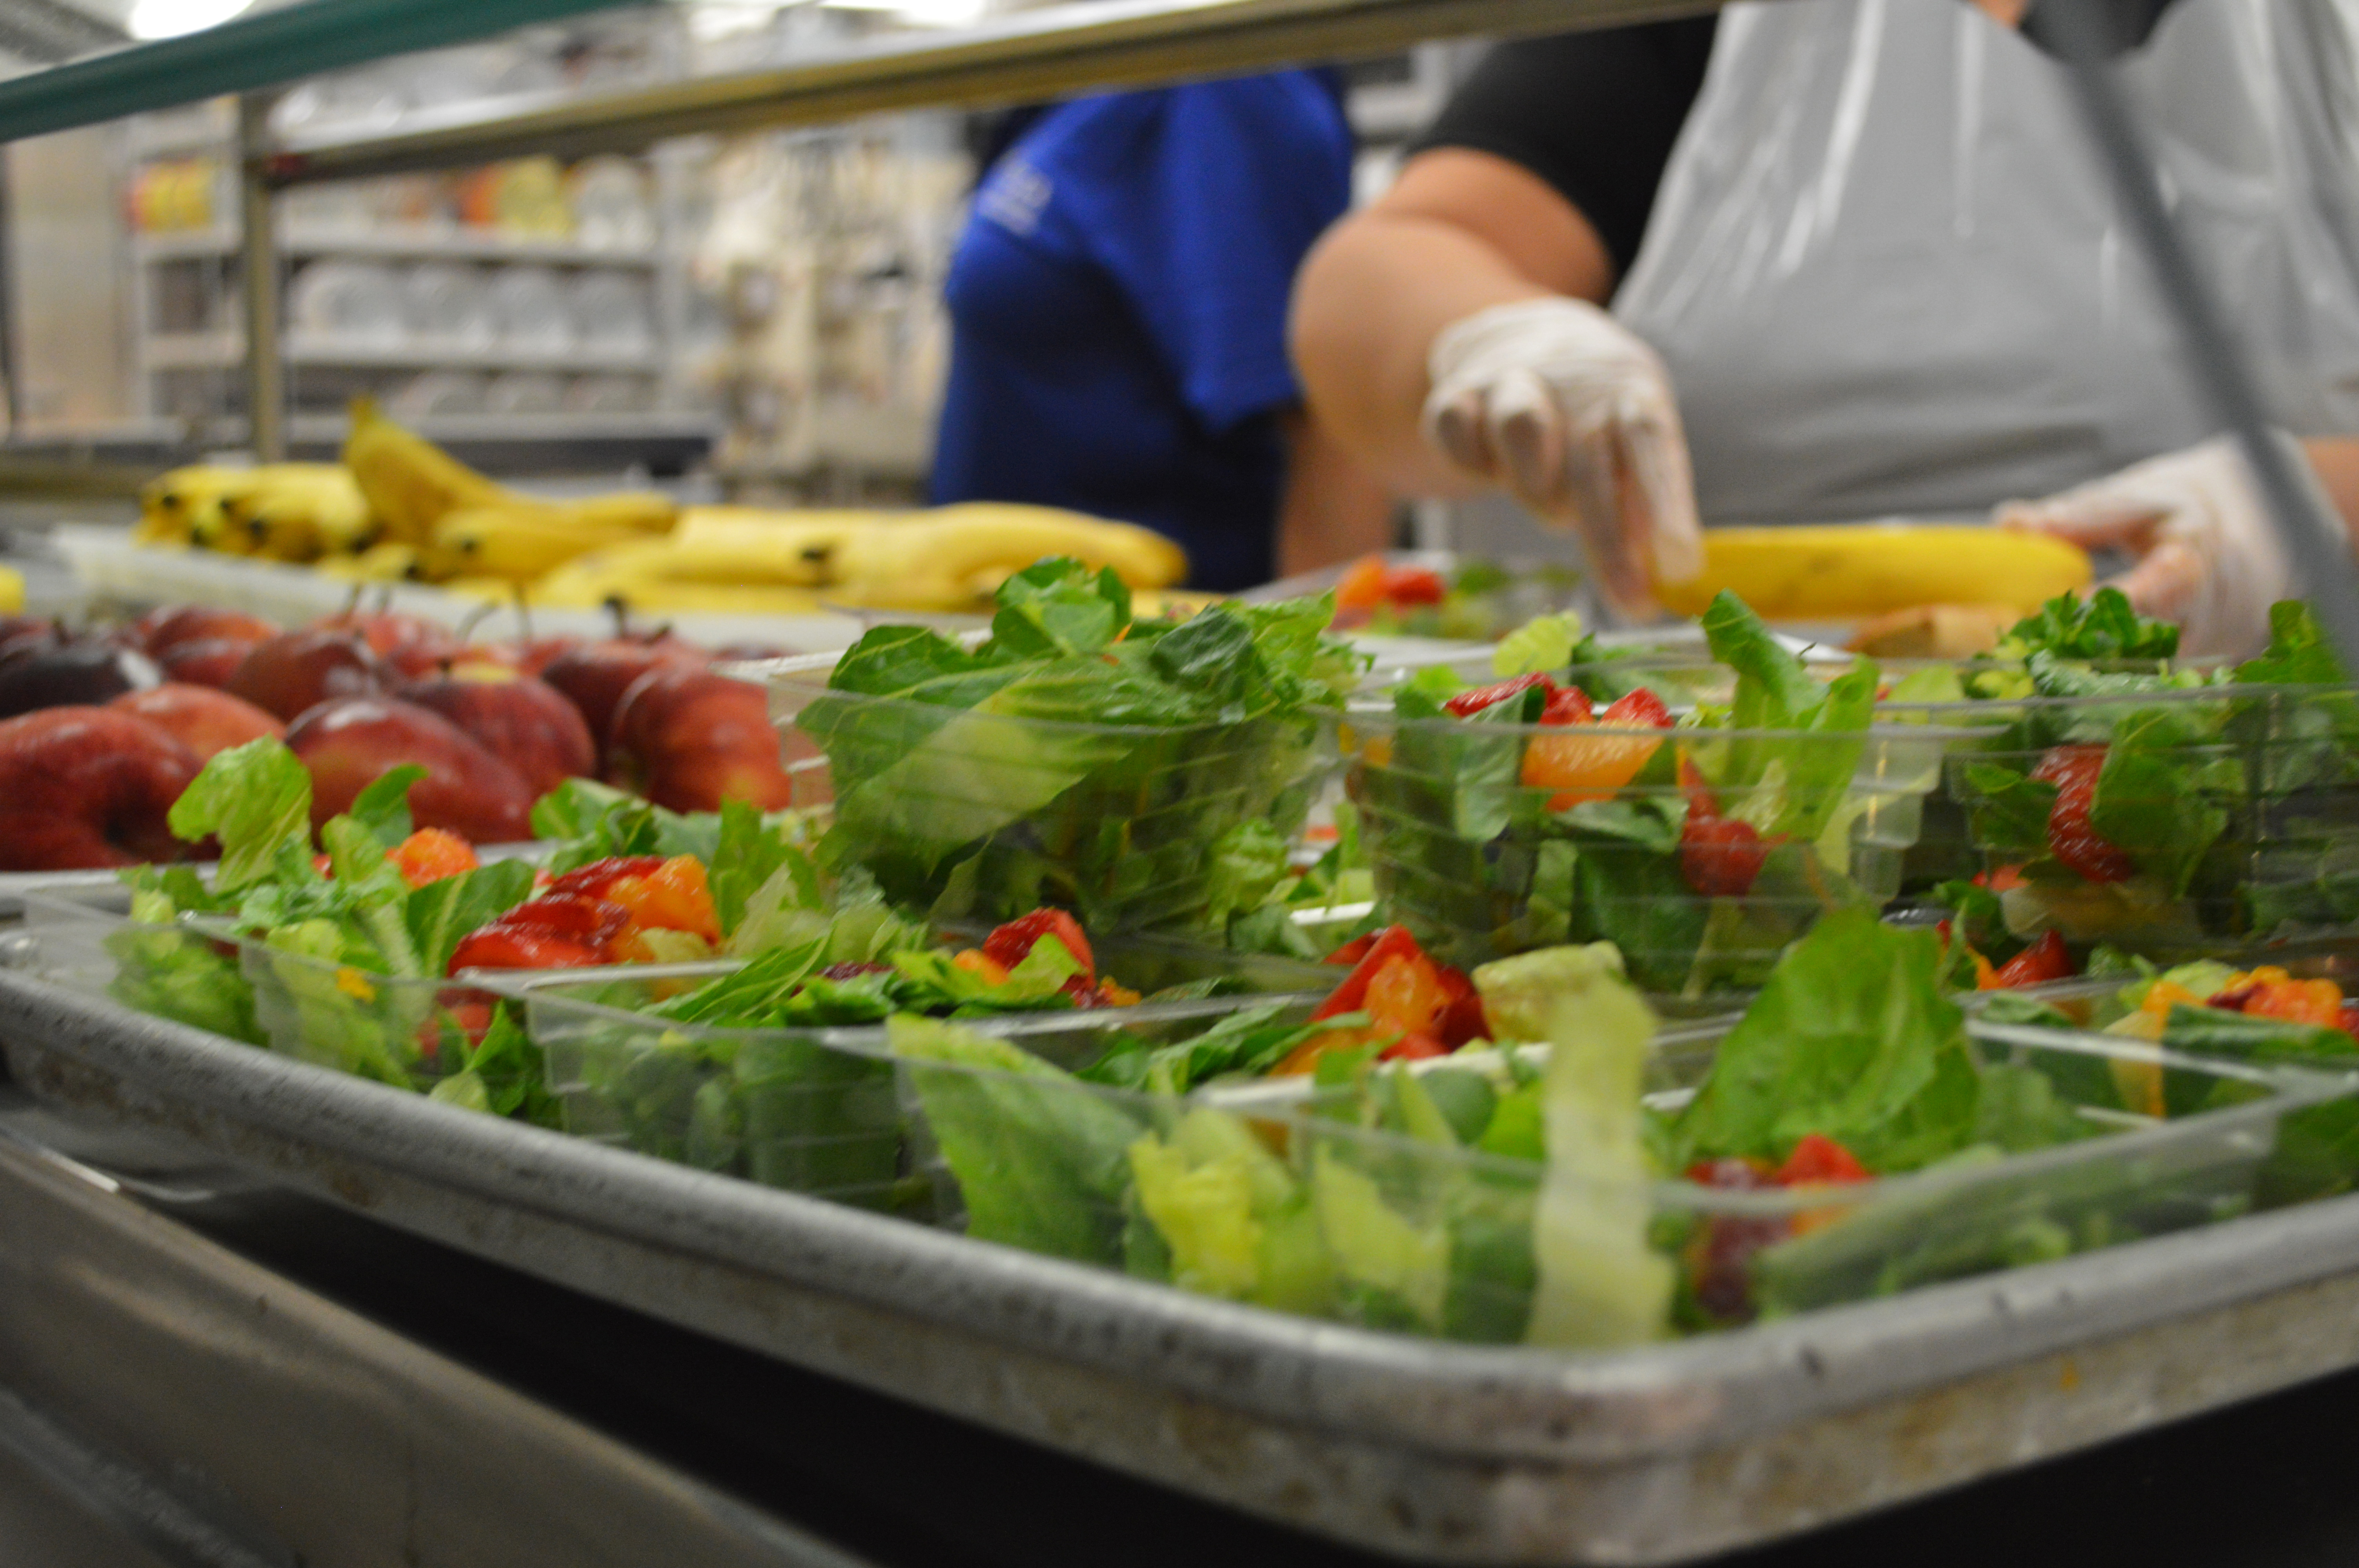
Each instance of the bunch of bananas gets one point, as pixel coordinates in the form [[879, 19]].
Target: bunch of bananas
[[745, 560], [286, 512], [397, 507]]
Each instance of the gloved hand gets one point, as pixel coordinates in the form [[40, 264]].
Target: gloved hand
[[1559, 404], [2207, 556]]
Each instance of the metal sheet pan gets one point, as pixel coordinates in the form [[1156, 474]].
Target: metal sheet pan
[[1426, 1450]]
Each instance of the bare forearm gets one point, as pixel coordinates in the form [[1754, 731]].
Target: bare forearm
[[1460, 233], [2335, 459], [1368, 305], [1334, 510]]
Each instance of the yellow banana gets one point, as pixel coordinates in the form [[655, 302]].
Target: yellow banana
[[642, 510], [383, 562], [1846, 573], [180, 506], [410, 483], [664, 575], [521, 544], [299, 511], [735, 544], [952, 556]]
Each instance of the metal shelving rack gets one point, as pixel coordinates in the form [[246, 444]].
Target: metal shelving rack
[[1112, 43]]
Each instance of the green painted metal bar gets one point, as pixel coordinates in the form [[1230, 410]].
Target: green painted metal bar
[[254, 52]]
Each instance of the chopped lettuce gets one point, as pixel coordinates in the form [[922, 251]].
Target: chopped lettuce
[[1076, 757], [1042, 1161]]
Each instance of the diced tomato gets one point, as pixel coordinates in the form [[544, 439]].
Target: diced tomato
[[1405, 996], [1567, 705], [1701, 801], [1011, 944], [2349, 1020], [521, 947], [2046, 960], [321, 864], [1464, 1019], [2270, 992], [1414, 585], [1413, 1048], [1352, 952], [1390, 943], [675, 896], [431, 854], [2073, 771], [975, 962], [1581, 767], [596, 878], [592, 920], [1819, 1159], [1640, 709], [1721, 856], [1362, 586], [1474, 699]]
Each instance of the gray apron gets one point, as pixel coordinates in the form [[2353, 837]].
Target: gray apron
[[1888, 277]]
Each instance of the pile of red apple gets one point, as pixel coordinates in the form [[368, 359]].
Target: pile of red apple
[[101, 731]]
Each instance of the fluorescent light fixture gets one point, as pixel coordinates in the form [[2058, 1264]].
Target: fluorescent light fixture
[[170, 18]]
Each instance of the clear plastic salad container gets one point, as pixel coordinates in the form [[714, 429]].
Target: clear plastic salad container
[[88, 941], [1296, 1207], [814, 1110], [409, 1032], [2167, 823], [1480, 864], [398, 1031], [985, 817]]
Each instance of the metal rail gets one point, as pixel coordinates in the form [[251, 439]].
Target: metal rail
[[262, 50], [1025, 58]]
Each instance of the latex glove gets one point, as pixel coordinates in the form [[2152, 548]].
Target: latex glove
[[1569, 412], [2207, 556]]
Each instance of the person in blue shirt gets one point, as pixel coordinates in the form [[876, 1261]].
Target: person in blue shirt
[[1118, 307]]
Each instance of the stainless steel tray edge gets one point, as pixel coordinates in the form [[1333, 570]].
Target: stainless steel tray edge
[[1414, 1447]]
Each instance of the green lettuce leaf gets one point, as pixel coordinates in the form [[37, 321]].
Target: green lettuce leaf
[[1852, 1038], [443, 912], [1042, 1160], [256, 800], [382, 808]]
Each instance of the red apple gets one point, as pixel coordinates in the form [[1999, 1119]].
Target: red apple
[[410, 644], [87, 670], [29, 637], [348, 742], [160, 629], [524, 722], [298, 670], [87, 787], [204, 661], [595, 676], [688, 739], [206, 721]]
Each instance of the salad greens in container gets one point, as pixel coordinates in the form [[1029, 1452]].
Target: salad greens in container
[[1588, 1183], [1076, 757], [342, 963], [2167, 813], [1529, 812]]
